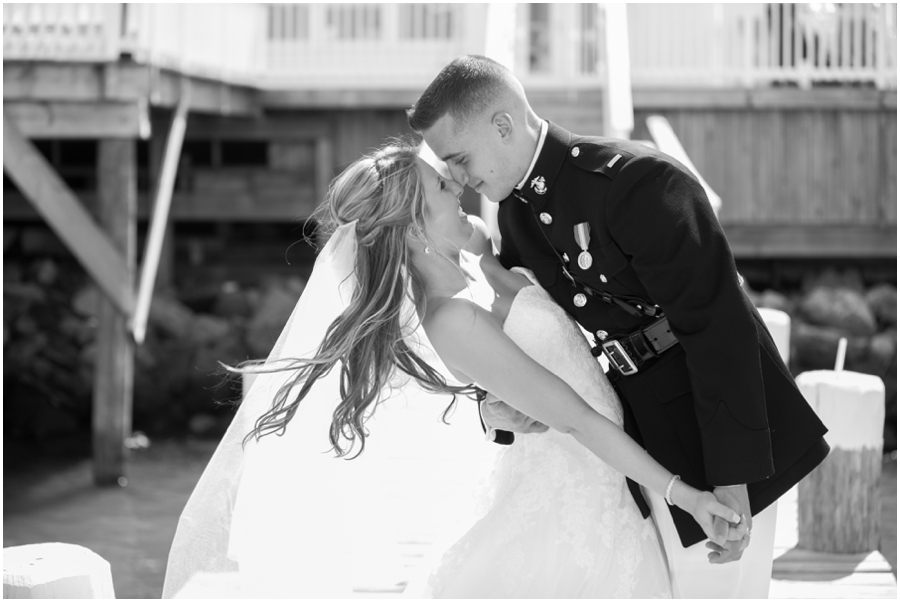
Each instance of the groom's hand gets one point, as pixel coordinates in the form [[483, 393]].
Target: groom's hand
[[500, 415], [738, 537]]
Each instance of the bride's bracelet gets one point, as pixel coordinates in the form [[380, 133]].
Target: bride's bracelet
[[668, 496]]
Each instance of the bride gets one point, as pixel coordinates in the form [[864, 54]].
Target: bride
[[408, 292]]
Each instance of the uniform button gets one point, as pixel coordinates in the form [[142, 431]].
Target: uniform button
[[602, 278], [547, 219], [575, 151], [602, 334], [580, 300]]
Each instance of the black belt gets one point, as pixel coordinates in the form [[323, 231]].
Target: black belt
[[629, 352]]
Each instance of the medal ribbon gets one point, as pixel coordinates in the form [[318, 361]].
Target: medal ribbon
[[583, 235]]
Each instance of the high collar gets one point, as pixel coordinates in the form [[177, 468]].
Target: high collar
[[547, 167], [537, 153]]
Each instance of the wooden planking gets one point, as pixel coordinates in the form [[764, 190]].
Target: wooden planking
[[65, 214], [80, 119], [798, 573], [781, 167], [114, 366]]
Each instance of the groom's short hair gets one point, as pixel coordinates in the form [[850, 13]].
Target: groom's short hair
[[464, 88]]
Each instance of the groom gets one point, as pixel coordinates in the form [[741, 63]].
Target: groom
[[624, 238]]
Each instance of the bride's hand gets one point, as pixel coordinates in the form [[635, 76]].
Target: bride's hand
[[704, 507]]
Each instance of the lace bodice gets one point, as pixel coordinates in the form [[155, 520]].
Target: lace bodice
[[551, 337]]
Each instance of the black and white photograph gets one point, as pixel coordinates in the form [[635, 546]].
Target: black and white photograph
[[450, 300]]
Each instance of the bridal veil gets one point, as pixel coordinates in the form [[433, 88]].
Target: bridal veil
[[282, 516]]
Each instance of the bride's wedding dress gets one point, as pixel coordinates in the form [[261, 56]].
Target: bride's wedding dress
[[281, 517], [555, 521]]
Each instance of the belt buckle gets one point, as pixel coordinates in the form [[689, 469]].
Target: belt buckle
[[619, 358]]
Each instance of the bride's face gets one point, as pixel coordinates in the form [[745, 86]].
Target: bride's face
[[445, 221]]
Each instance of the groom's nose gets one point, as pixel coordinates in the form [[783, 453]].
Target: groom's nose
[[457, 188], [459, 175]]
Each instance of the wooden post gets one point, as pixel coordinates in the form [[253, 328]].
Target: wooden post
[[165, 273], [838, 503], [114, 370], [618, 109], [160, 218]]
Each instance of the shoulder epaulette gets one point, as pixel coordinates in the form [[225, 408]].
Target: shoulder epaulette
[[593, 155]]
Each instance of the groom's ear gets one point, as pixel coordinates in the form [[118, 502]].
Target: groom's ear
[[503, 125]]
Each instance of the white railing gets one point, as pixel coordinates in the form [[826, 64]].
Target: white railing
[[379, 46], [747, 45], [62, 32], [384, 46]]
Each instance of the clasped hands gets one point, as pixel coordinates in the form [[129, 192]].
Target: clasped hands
[[500, 415]]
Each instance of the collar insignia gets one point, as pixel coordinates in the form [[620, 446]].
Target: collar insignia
[[539, 185]]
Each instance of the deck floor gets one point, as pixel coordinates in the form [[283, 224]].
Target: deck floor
[[132, 527]]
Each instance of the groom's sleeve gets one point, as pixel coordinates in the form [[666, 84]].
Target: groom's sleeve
[[660, 216]]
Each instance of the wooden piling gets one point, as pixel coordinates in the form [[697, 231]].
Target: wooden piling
[[114, 369], [838, 503]]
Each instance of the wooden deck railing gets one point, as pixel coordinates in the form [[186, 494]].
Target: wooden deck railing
[[61, 32], [384, 46], [751, 45], [367, 45]]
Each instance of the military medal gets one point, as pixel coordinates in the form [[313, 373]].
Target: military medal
[[583, 238]]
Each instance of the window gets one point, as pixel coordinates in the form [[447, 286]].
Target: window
[[427, 21], [539, 38], [288, 22], [590, 39], [354, 21]]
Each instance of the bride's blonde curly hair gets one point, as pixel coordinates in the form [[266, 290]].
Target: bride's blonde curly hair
[[383, 191]]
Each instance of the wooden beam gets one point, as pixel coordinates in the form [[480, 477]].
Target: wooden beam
[[73, 82], [769, 98], [114, 367], [267, 128], [43, 187], [80, 119], [201, 206], [162, 200], [821, 241], [207, 95], [300, 98], [123, 82]]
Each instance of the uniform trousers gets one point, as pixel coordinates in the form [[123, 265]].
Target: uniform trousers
[[692, 574]]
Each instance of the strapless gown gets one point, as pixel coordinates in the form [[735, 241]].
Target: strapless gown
[[554, 521]]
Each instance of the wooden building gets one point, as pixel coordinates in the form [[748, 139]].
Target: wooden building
[[240, 114]]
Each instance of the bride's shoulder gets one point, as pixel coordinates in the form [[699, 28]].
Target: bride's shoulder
[[453, 319]]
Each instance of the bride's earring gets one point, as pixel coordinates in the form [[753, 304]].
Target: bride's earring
[[427, 249]]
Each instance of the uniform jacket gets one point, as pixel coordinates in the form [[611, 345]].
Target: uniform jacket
[[720, 408]]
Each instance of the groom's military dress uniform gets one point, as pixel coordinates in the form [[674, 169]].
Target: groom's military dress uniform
[[711, 398]]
